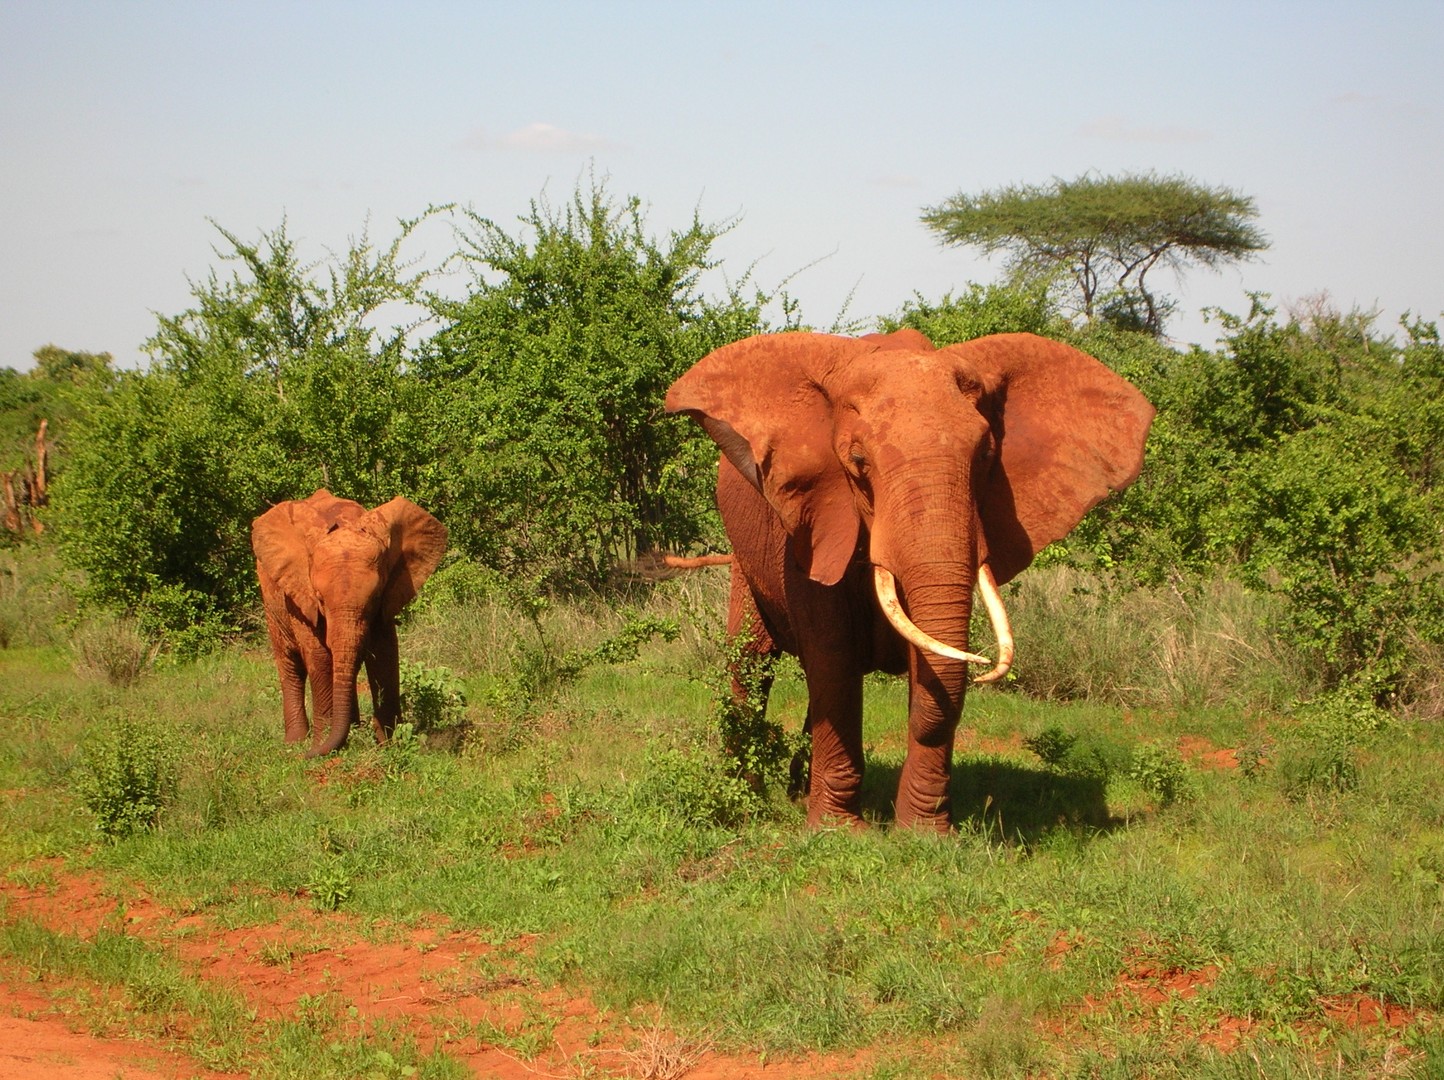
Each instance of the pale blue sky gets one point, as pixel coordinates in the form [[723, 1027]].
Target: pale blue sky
[[825, 127]]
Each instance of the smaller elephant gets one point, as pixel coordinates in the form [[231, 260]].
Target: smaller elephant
[[334, 576]]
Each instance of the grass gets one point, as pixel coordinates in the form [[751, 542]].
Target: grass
[[1078, 922]]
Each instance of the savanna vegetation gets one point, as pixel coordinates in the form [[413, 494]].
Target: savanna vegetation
[[1199, 831]]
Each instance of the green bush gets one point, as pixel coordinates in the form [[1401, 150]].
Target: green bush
[[546, 381], [982, 310], [127, 774], [1321, 753], [1161, 772], [695, 788], [184, 622], [431, 698]]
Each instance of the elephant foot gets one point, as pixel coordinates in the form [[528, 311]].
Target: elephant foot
[[823, 810], [938, 819]]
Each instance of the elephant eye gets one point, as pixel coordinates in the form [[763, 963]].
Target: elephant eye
[[859, 461]]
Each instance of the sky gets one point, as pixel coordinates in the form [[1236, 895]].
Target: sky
[[820, 130]]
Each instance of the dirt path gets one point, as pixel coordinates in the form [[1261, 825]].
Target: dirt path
[[445, 987]]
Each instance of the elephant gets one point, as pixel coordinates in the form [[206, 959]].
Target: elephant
[[334, 576], [868, 485]]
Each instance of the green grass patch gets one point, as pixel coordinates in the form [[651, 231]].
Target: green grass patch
[[1098, 846]]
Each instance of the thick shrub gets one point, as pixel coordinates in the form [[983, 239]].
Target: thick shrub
[[127, 774]]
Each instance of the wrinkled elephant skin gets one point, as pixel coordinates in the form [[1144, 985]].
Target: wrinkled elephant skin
[[841, 455], [334, 576]]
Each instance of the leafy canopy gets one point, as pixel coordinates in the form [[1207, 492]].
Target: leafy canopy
[[550, 377], [1100, 236]]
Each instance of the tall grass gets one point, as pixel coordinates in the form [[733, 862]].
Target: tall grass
[[36, 597], [1090, 636]]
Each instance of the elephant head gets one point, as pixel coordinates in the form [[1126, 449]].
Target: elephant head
[[339, 575], [935, 469]]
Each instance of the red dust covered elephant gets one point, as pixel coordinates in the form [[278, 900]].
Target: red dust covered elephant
[[334, 576], [868, 485]]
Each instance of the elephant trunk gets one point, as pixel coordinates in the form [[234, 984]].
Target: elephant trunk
[[345, 666], [886, 587]]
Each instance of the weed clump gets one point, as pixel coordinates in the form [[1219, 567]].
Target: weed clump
[[1160, 771], [431, 698], [127, 775], [1321, 755], [112, 647]]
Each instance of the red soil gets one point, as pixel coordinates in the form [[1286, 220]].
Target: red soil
[[453, 989], [423, 980]]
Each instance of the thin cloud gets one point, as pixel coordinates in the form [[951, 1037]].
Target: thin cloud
[[540, 138], [1118, 129]]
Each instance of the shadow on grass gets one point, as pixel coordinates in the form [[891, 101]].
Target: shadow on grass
[[1012, 802]]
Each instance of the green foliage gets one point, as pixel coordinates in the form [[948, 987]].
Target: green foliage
[[1161, 772], [329, 886], [431, 698], [548, 380], [1321, 754], [127, 774], [1301, 454], [1022, 307], [36, 605], [1102, 235], [274, 384], [761, 752], [693, 788], [1328, 520], [184, 622], [1052, 745], [540, 669]]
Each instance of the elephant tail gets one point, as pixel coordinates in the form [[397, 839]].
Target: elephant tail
[[695, 562], [656, 566]]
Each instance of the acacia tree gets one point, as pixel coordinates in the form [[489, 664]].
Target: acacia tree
[[1100, 236]]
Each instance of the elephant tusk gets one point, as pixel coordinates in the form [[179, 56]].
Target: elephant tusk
[[886, 586], [998, 616]]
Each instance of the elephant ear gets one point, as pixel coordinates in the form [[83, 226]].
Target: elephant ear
[[762, 400], [413, 542], [283, 539], [1069, 431]]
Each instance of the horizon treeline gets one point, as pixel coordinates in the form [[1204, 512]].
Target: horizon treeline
[[1301, 457]]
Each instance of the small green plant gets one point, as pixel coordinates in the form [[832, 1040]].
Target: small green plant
[[695, 788], [329, 887], [1161, 772], [127, 775], [540, 670], [763, 752], [399, 753], [1052, 745], [113, 648], [1322, 753], [431, 698], [182, 620]]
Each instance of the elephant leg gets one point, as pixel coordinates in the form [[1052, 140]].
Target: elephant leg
[[292, 671], [383, 675], [934, 705], [834, 713], [315, 659]]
